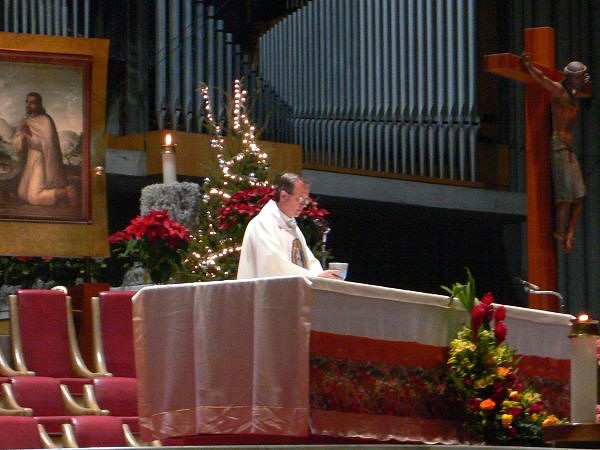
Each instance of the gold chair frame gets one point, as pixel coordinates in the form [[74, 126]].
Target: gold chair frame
[[47, 441], [72, 406], [69, 440], [78, 365], [97, 342]]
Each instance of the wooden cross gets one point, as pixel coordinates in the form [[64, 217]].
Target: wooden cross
[[541, 245]]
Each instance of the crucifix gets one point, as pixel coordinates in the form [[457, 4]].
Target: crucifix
[[541, 245]]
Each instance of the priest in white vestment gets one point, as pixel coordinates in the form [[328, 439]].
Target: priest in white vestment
[[273, 244]]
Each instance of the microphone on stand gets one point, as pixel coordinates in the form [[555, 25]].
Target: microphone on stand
[[527, 285], [324, 247], [531, 288]]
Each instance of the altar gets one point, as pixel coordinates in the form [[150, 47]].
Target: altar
[[310, 357]]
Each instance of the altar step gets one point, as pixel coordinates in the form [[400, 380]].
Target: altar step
[[352, 447]]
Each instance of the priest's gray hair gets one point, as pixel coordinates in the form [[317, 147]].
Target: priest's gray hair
[[287, 183]]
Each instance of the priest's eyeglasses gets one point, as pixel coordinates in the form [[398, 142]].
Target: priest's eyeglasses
[[303, 200]]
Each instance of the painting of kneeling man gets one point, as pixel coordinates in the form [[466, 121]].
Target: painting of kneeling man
[[41, 135]]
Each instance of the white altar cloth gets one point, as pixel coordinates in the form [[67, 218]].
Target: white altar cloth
[[399, 315], [232, 357]]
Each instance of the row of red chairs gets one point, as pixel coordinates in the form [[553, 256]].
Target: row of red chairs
[[46, 316], [18, 432], [52, 403], [48, 368]]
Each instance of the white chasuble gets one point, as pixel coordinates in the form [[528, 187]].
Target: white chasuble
[[274, 246]]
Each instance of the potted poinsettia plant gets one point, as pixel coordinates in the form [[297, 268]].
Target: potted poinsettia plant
[[155, 241], [483, 371]]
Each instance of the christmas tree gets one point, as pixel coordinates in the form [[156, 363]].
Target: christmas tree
[[235, 191]]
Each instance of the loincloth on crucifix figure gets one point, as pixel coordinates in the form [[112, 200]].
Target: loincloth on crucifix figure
[[567, 179], [569, 190]]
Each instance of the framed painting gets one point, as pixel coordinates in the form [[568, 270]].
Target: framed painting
[[52, 146], [44, 137]]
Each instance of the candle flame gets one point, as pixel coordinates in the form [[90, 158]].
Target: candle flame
[[583, 317], [168, 139]]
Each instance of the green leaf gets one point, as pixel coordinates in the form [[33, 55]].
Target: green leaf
[[465, 293]]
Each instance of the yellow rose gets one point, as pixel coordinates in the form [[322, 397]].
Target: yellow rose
[[514, 396], [506, 420], [479, 384]]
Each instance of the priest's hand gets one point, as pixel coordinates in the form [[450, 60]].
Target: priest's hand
[[331, 273]]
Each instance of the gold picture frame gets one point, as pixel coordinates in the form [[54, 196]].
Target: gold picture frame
[[53, 82]]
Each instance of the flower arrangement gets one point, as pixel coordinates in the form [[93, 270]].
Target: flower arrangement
[[483, 370], [155, 241]]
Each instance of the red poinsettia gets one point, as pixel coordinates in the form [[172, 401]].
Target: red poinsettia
[[155, 240], [245, 204]]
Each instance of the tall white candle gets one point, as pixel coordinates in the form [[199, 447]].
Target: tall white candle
[[169, 164], [584, 370]]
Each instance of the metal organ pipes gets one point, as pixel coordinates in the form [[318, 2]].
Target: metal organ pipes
[[383, 85]]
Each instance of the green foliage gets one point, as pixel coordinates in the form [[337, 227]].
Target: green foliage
[[25, 271], [465, 293]]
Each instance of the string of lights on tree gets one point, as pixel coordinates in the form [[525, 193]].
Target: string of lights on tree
[[213, 253]]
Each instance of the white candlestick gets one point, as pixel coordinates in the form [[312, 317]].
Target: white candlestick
[[584, 371], [169, 164]]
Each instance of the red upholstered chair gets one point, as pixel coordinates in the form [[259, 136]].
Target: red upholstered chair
[[98, 431], [118, 395], [43, 337], [114, 354], [23, 432], [51, 401], [113, 333]]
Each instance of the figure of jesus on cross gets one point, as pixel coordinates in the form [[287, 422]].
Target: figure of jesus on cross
[[550, 110], [569, 187]]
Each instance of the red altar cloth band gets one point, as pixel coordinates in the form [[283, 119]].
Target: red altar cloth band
[[414, 354]]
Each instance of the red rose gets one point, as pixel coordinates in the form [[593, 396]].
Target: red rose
[[498, 385], [473, 403], [515, 411], [535, 408]]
